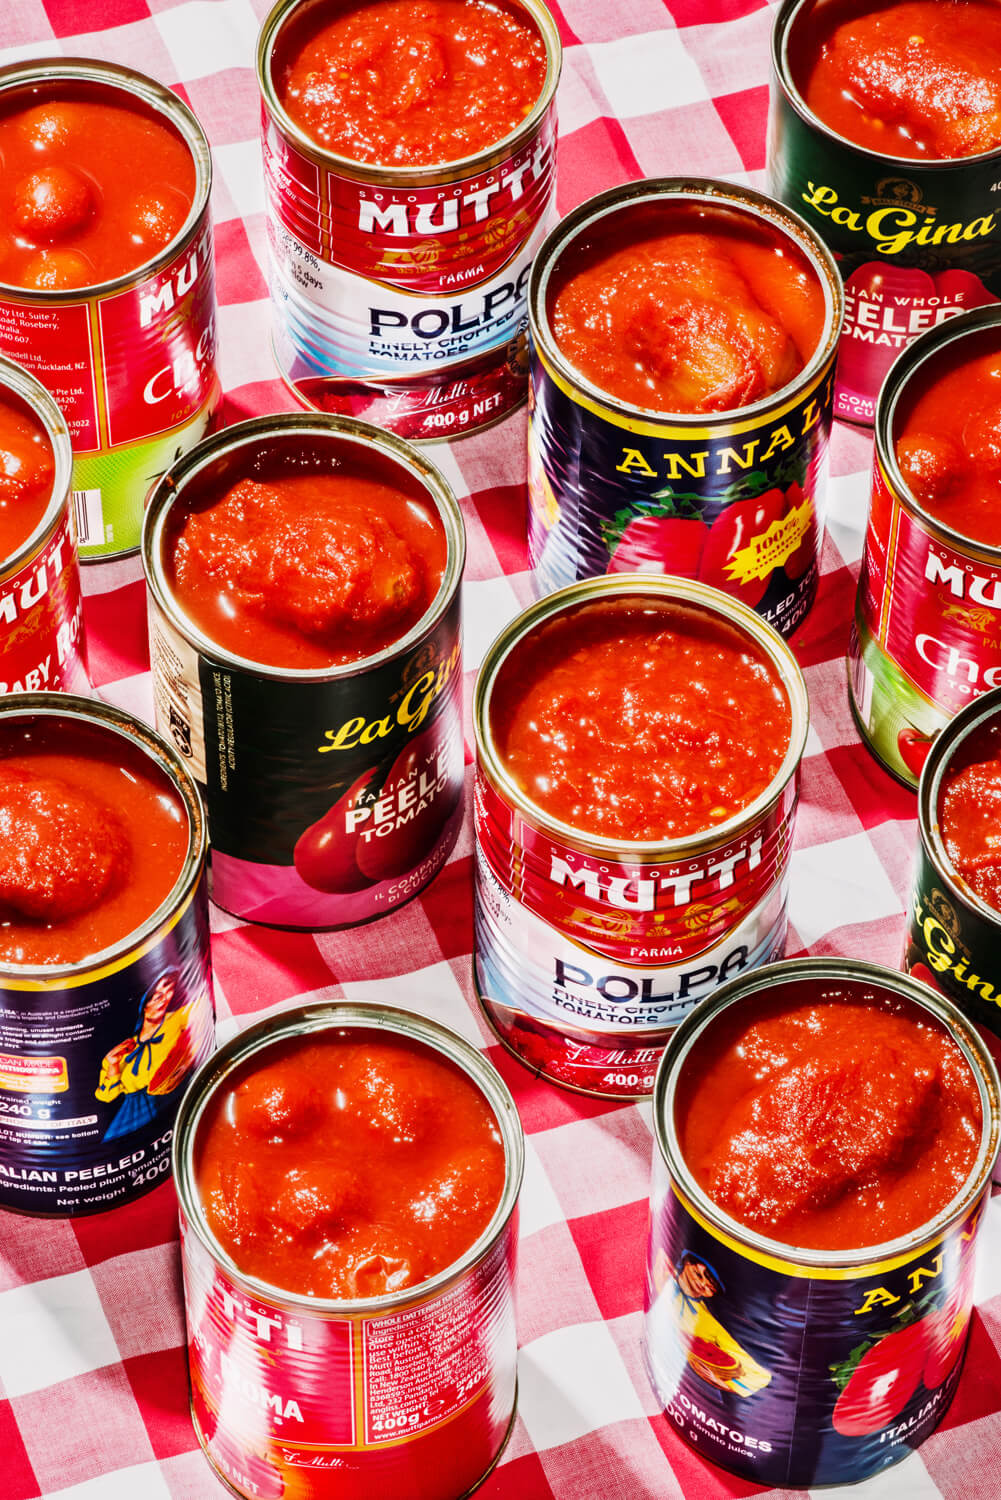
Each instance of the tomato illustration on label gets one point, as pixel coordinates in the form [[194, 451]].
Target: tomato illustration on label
[[660, 544], [737, 529], [882, 1382], [325, 854], [913, 747]]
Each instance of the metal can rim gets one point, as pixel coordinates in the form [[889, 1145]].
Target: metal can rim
[[682, 591], [14, 377], [106, 716], [943, 749], [379, 172], [170, 487], [792, 1257], [698, 190], [55, 70], [301, 1021]]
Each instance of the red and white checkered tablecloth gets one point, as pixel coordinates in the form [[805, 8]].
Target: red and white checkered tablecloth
[[93, 1392]]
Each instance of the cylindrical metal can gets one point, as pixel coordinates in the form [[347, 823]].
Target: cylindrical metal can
[[399, 291], [94, 1055], [589, 951], [806, 1367], [40, 614], [130, 361], [732, 498], [366, 758], [923, 641], [917, 241], [409, 1394]]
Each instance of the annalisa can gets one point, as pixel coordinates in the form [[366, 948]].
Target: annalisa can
[[94, 1056], [131, 362], [399, 291], [41, 623], [589, 951], [409, 1394], [334, 795], [797, 1367], [731, 498]]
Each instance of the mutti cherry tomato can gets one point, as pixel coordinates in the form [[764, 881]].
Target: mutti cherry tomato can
[[410, 1394], [924, 639], [732, 498], [589, 951], [916, 241], [796, 1367], [94, 1055], [399, 291], [41, 623], [333, 795], [131, 361]]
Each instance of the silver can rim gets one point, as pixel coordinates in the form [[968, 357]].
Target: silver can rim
[[105, 717], [957, 1026], [15, 378], [670, 590], [947, 742], [170, 488], [305, 1020], [701, 191], [75, 70]]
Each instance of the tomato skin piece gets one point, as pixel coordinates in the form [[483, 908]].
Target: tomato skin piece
[[660, 544], [735, 528], [882, 1383]]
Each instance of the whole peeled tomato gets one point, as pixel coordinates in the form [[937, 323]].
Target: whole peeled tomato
[[415, 818], [660, 544], [325, 854], [882, 1383], [913, 747]]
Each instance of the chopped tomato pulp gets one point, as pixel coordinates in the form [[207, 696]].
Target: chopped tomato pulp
[[970, 813], [413, 82], [27, 469], [636, 720], [828, 1116], [349, 1164]]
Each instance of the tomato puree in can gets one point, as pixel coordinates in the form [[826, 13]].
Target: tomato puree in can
[[27, 474], [970, 814]]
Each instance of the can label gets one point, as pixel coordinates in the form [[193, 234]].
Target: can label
[[41, 621], [790, 1376], [953, 947], [610, 494], [92, 1072], [134, 373]]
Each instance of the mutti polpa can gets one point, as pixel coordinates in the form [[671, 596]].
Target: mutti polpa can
[[41, 621], [304, 613], [795, 1366], [399, 279], [917, 237], [606, 909], [108, 174], [408, 1391], [106, 1005]]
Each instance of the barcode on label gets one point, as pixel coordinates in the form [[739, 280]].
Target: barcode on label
[[89, 518]]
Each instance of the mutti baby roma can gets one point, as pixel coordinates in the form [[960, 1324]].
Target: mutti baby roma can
[[107, 289], [682, 355], [824, 1137], [41, 623], [303, 578], [898, 177], [106, 1004], [348, 1179], [638, 746], [925, 638], [404, 212]]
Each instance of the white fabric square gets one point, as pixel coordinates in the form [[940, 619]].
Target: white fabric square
[[239, 165], [123, 1484], [909, 1480], [838, 884], [209, 36], [846, 517], [433, 992], [645, 75], [538, 1205], [572, 1382], [53, 1330], [245, 344], [28, 51], [134, 694], [987, 1283], [487, 606]]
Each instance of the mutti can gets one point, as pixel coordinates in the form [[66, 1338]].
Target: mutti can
[[399, 274], [711, 462], [402, 1385], [924, 637], [106, 1005], [624, 877], [107, 286], [304, 619], [813, 1237], [906, 203], [41, 622]]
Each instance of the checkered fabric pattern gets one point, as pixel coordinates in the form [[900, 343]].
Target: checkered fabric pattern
[[93, 1392]]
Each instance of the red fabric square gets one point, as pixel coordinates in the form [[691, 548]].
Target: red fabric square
[[823, 636], [544, 1105], [238, 276], [977, 1393], [448, 904], [253, 399], [709, 12], [745, 115], [504, 514], [160, 1385], [115, 623], [598, 156], [524, 1477], [148, 1221], [875, 795], [616, 1279], [19, 1482], [259, 966], [69, 18]]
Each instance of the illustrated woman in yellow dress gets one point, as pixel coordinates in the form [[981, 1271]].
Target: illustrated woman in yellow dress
[[681, 1316], [151, 1063]]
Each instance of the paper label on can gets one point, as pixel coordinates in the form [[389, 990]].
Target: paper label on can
[[56, 344], [41, 621], [177, 692], [953, 947]]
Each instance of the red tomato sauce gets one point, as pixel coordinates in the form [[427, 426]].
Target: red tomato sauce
[[969, 813], [27, 470], [829, 1117], [413, 83], [92, 839], [640, 721], [348, 1165], [308, 571], [93, 186], [918, 79], [686, 309], [947, 436]]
